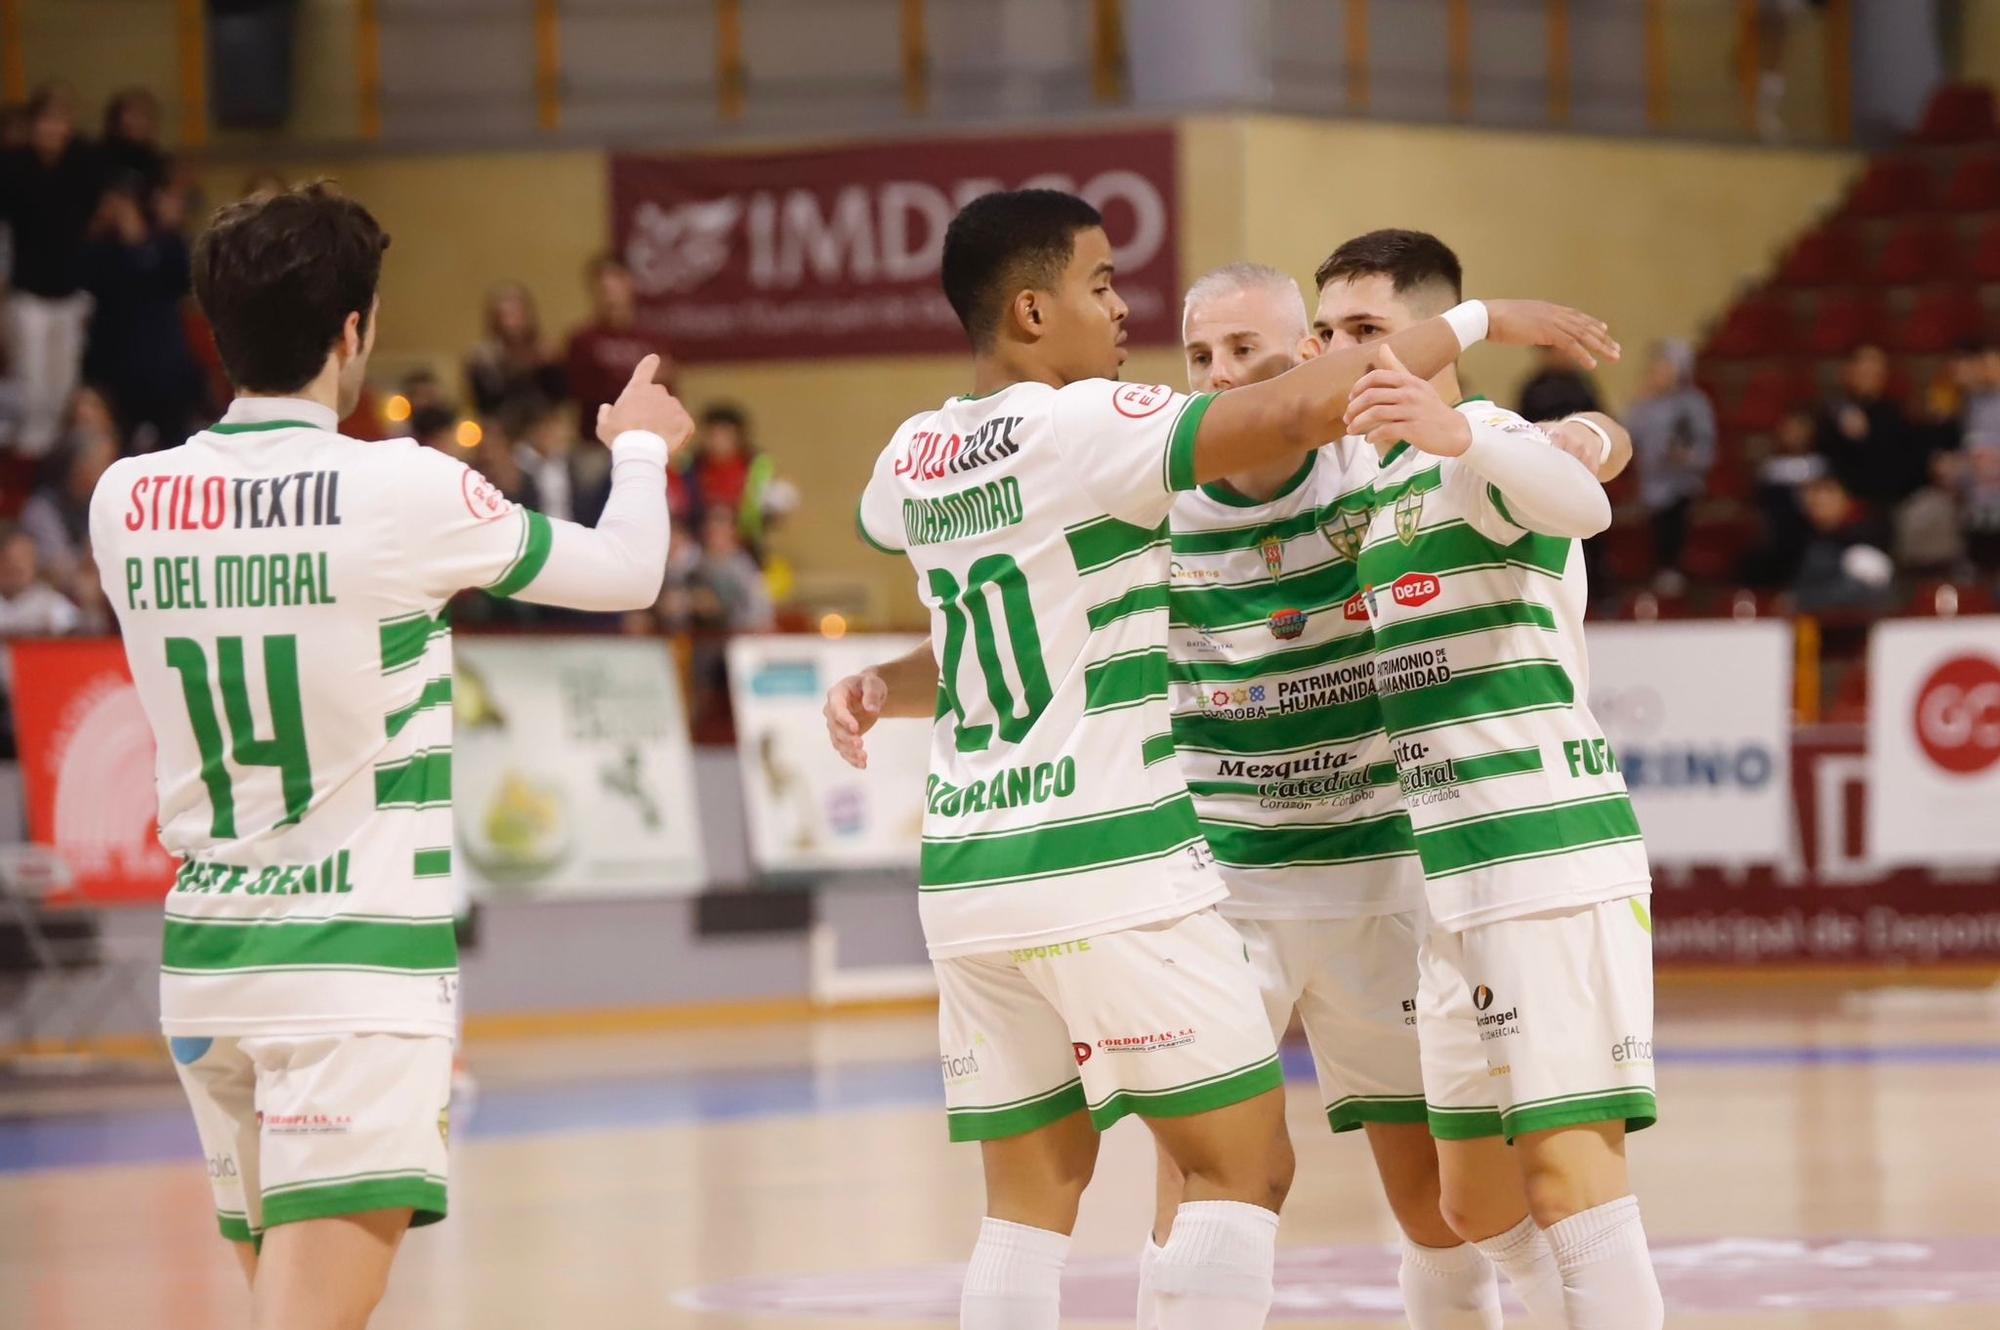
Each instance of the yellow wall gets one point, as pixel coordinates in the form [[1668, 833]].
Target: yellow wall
[[1653, 236]]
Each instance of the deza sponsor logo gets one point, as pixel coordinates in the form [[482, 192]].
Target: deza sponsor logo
[[1414, 589]]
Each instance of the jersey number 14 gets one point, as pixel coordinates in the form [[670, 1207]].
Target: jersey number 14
[[285, 749], [1015, 716]]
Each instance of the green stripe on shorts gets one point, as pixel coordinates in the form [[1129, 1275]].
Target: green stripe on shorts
[[1463, 1124], [1000, 1121], [1351, 1113], [1231, 1087], [1638, 1107], [420, 1192]]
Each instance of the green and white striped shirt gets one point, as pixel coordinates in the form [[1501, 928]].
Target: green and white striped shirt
[[281, 592], [1035, 519], [1516, 798], [1275, 716]]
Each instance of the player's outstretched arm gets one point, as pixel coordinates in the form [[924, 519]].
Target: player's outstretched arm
[[620, 563], [1595, 439], [1544, 488], [905, 686], [1307, 406]]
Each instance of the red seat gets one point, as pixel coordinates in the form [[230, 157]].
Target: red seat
[[1975, 185], [1890, 187], [1716, 543], [1758, 325], [1940, 318], [1958, 113], [1984, 261], [1843, 321], [1765, 399], [1825, 257], [1921, 250]]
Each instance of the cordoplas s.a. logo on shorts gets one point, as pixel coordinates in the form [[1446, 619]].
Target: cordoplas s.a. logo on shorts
[[1151, 1042]]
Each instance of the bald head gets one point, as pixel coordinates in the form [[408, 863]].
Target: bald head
[[1243, 324]]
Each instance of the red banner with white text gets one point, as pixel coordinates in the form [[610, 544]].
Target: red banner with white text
[[835, 251], [87, 767]]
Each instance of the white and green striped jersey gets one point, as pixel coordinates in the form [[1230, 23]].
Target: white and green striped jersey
[[1516, 799], [1035, 518], [1275, 716], [281, 591]]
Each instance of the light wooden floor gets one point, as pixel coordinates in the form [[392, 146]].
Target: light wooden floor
[[1824, 1160]]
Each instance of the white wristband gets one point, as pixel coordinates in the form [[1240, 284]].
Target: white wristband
[[1468, 321], [1603, 436], [639, 445]]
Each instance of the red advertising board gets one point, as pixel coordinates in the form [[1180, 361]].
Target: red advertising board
[[1833, 904], [835, 251], [87, 766]]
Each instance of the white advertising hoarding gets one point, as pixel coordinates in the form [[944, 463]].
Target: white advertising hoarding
[[808, 810], [572, 773], [1699, 715], [1934, 742]]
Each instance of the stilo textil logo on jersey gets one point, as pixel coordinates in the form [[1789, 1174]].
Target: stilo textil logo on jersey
[[1409, 514]]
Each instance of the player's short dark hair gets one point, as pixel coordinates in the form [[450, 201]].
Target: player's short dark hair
[[1007, 242], [429, 420], [1411, 260], [277, 275]]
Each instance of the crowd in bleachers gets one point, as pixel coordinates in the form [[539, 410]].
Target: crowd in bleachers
[[103, 352]]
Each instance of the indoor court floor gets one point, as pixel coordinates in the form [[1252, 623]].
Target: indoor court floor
[[1825, 1159]]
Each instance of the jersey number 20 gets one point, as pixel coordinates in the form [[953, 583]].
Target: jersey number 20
[[285, 749], [997, 573]]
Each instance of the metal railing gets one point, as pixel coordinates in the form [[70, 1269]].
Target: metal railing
[[432, 70]]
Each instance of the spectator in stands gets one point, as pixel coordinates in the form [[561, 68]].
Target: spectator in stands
[[435, 425], [57, 516], [1842, 568], [132, 139], [29, 607], [727, 588], [572, 482], [603, 352], [512, 362], [48, 195], [136, 268], [1973, 471], [728, 471], [1673, 441], [1782, 479], [1557, 389], [1873, 447]]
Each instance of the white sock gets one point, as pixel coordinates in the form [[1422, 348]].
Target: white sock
[[1149, 1300], [1014, 1280], [1215, 1271], [1449, 1288], [1523, 1255], [1607, 1273]]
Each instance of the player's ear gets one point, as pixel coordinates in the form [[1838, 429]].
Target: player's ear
[[351, 336], [1309, 347], [1026, 312]]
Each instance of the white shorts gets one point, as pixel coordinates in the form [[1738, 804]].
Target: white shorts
[[1163, 1020], [1539, 1022], [310, 1126], [1354, 985]]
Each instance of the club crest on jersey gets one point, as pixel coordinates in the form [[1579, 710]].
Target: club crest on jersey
[[1409, 514], [1288, 624], [1345, 530], [1273, 549]]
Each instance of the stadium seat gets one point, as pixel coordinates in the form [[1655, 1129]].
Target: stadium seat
[[1770, 393], [1941, 317], [1758, 325], [1984, 260], [1975, 185], [1919, 250], [1890, 187], [1827, 256], [1945, 598], [1843, 321], [1718, 536], [1959, 113]]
